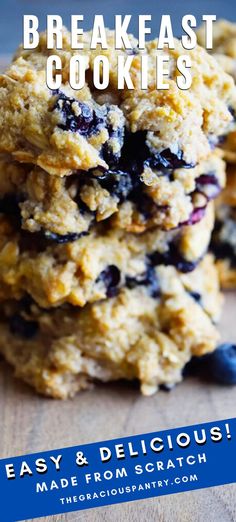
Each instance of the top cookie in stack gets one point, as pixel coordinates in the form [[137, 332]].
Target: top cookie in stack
[[66, 131]]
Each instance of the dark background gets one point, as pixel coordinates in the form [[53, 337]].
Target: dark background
[[11, 12]]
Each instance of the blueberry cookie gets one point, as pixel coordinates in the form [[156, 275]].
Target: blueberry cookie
[[68, 207], [66, 130], [134, 335], [223, 242], [95, 266]]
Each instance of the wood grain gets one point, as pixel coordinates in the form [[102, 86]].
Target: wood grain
[[30, 423]]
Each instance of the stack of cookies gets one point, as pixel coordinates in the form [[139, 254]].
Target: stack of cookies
[[224, 236], [106, 218]]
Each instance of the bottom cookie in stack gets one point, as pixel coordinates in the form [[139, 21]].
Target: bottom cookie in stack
[[223, 243], [132, 336]]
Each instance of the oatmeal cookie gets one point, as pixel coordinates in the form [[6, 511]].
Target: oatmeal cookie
[[72, 130], [70, 206], [223, 242], [54, 271], [131, 336]]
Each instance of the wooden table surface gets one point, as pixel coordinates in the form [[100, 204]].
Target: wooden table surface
[[30, 423]]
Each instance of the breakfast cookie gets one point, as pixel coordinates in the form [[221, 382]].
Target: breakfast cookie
[[134, 335], [223, 243], [69, 206], [66, 130], [94, 266]]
